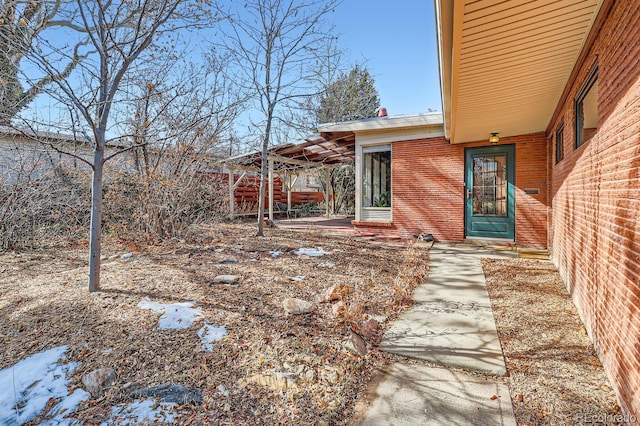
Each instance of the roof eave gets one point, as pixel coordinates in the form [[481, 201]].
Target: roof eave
[[444, 34], [383, 123]]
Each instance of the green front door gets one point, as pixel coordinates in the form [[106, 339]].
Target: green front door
[[490, 192]]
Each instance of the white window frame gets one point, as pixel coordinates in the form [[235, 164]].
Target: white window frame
[[371, 214]]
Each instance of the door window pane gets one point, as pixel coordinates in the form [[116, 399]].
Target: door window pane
[[377, 179], [490, 185]]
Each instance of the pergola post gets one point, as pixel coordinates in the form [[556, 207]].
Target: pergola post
[[328, 191], [232, 197], [290, 180], [270, 189], [289, 186]]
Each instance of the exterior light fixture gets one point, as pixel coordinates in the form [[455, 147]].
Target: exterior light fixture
[[494, 138]]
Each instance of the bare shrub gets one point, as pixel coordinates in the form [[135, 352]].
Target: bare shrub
[[410, 273], [159, 206], [54, 206]]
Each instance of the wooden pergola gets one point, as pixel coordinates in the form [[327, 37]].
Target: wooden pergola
[[326, 150]]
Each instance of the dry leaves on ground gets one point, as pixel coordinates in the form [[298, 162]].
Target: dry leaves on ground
[[555, 377], [270, 368]]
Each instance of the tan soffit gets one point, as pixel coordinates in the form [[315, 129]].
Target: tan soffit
[[509, 62]]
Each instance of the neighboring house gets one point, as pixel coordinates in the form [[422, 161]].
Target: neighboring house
[[28, 155], [307, 181], [24, 157], [538, 145]]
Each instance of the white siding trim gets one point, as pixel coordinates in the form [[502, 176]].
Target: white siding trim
[[372, 214], [390, 136]]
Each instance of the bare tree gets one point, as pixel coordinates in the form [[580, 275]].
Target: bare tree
[[179, 130], [115, 40], [184, 120], [277, 45], [21, 23]]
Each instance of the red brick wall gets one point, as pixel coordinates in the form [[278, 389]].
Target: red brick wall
[[595, 191], [531, 173], [428, 189]]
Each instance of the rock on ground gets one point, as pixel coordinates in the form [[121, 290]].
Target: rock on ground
[[97, 381], [226, 279], [295, 306], [171, 393], [369, 328]]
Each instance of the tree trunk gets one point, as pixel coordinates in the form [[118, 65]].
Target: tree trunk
[[263, 170], [263, 189], [95, 244]]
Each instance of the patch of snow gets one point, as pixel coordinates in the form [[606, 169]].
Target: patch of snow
[[66, 406], [175, 316], [30, 383], [209, 334], [275, 253], [148, 411], [222, 390], [297, 278], [313, 252], [329, 265]]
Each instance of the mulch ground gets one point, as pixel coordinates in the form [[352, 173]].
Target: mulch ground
[[270, 368], [555, 377], [274, 368]]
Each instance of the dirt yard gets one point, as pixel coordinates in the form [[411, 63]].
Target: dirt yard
[[269, 368], [555, 377], [272, 367]]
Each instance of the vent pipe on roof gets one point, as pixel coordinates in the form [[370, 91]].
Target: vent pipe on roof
[[382, 112]]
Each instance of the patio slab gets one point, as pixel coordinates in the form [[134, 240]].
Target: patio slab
[[420, 395]]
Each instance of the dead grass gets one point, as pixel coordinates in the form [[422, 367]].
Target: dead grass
[[44, 303], [554, 373]]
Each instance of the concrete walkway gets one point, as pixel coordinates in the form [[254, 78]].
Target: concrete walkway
[[451, 325]]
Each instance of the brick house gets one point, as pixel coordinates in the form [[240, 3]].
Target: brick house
[[538, 145]]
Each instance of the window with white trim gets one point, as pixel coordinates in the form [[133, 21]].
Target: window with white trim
[[376, 184]]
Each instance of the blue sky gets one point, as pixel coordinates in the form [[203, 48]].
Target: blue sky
[[396, 41]]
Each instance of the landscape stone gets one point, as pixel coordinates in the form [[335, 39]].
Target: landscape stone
[[369, 328], [171, 393], [97, 381], [226, 279], [358, 344], [295, 306], [276, 380]]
